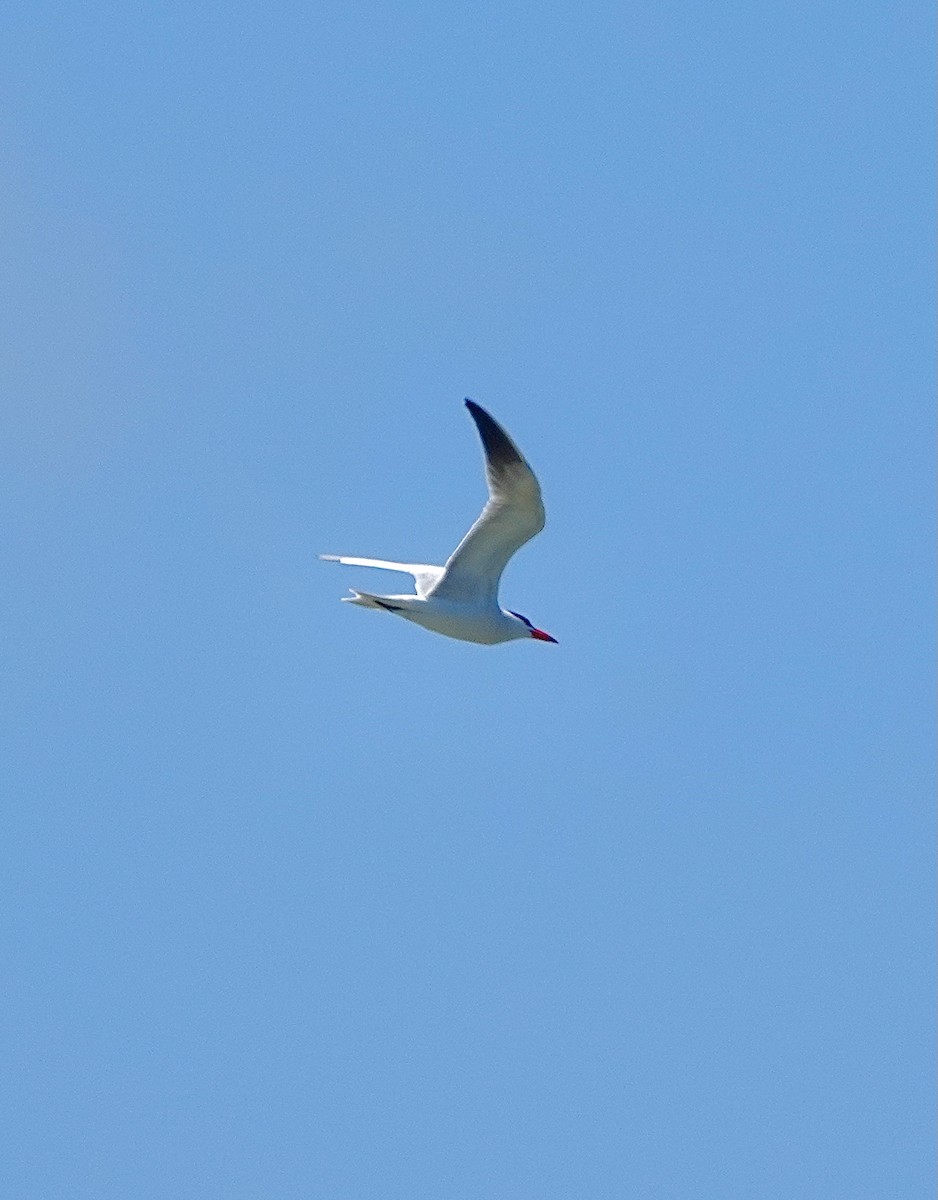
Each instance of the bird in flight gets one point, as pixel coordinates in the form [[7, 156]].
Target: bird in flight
[[460, 600]]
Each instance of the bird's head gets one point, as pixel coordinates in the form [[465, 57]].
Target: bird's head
[[538, 634]]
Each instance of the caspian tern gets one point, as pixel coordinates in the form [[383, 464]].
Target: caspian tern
[[460, 600]]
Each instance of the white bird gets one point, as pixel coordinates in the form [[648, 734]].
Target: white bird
[[460, 600]]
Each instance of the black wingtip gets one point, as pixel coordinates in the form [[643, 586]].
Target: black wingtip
[[500, 450]]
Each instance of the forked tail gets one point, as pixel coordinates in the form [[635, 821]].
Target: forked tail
[[367, 600]]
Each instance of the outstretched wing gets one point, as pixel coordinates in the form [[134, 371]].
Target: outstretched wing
[[513, 515], [424, 576]]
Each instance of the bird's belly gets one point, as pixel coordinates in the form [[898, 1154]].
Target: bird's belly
[[485, 628]]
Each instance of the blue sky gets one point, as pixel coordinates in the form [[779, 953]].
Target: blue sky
[[302, 901]]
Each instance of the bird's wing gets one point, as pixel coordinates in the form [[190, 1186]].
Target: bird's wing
[[513, 515], [424, 575]]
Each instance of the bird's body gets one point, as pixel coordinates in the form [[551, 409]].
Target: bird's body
[[486, 624], [460, 599]]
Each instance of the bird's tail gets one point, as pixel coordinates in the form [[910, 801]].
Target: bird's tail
[[367, 600]]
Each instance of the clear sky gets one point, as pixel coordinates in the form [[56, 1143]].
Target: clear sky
[[302, 901]]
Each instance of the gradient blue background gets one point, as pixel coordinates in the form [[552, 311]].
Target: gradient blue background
[[302, 901]]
